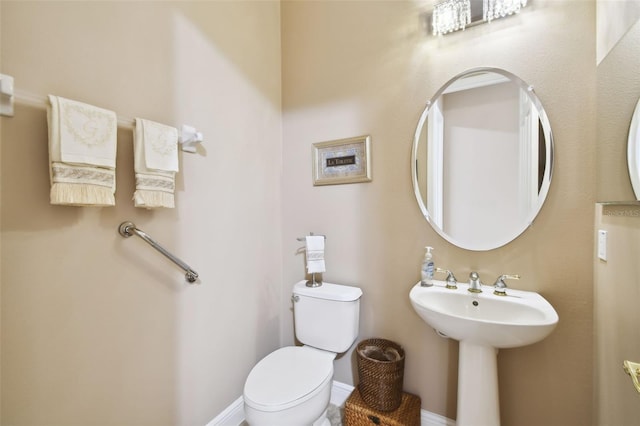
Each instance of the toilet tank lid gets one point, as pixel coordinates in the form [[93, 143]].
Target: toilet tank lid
[[328, 291]]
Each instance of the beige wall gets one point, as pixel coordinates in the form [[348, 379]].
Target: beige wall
[[352, 68], [101, 330], [616, 281], [98, 329], [617, 289]]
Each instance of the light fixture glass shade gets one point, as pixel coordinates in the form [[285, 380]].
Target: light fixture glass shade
[[451, 15], [494, 9]]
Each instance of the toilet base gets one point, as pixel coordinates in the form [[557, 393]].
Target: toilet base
[[322, 420], [280, 373], [298, 415]]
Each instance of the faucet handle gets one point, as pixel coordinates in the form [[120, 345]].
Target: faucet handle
[[475, 285], [500, 286], [452, 282]]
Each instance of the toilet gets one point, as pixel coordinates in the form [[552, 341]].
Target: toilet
[[292, 385]]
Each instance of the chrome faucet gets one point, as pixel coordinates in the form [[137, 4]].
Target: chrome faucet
[[475, 286], [500, 287], [452, 283]]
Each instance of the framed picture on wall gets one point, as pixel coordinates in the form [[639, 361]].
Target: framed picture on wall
[[342, 161]]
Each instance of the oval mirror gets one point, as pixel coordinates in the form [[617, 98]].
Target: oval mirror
[[633, 151], [482, 159]]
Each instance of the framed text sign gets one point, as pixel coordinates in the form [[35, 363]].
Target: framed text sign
[[342, 161]]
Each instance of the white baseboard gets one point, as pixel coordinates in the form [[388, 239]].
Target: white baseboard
[[427, 418], [340, 393], [233, 415]]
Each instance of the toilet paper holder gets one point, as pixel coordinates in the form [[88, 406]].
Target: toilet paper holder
[[313, 282], [633, 370]]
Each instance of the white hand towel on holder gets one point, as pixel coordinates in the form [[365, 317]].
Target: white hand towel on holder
[[315, 254], [156, 163]]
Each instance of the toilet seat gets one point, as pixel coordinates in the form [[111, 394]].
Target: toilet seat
[[287, 377]]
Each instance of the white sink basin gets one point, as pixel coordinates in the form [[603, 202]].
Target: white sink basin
[[518, 319], [483, 323]]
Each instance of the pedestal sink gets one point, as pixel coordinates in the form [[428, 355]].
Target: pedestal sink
[[482, 323]]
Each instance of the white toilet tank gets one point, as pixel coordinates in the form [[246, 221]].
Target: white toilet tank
[[326, 317]]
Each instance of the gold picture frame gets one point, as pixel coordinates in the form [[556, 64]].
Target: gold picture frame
[[342, 161]]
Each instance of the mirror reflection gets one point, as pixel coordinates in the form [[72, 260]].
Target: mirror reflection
[[482, 159], [633, 151]]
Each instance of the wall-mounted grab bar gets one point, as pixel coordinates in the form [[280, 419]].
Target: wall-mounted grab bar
[[127, 229]]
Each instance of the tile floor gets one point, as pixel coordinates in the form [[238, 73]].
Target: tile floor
[[335, 414]]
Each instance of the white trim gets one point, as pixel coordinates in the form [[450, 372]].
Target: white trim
[[340, 392], [233, 415], [427, 418]]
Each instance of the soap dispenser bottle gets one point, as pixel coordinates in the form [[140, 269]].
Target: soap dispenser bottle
[[426, 272]]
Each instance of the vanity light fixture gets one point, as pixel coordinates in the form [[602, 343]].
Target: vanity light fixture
[[453, 15], [450, 15], [493, 9]]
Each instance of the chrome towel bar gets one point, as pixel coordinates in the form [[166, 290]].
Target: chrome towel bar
[[127, 229]]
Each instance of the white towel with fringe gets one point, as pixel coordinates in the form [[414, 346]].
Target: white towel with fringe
[[156, 163], [82, 153], [315, 254]]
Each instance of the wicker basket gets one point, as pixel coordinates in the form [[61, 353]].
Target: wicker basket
[[380, 379], [357, 413]]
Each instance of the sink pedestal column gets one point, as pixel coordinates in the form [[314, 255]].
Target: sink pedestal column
[[478, 403]]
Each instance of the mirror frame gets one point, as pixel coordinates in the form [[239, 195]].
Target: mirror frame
[[633, 151], [544, 120]]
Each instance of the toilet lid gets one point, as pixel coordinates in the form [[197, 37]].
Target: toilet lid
[[285, 377]]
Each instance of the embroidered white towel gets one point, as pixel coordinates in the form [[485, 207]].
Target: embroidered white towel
[[156, 163], [315, 254], [82, 153]]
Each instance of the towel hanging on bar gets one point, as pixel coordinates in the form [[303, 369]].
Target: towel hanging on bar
[[156, 163], [82, 153]]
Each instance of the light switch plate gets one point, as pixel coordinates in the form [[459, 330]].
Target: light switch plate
[[6, 95], [602, 244]]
